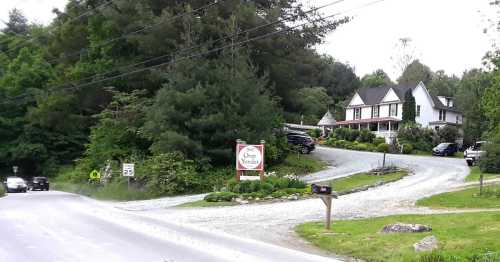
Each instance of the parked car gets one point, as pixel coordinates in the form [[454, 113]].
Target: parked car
[[473, 154], [445, 149], [15, 184], [304, 142], [39, 183]]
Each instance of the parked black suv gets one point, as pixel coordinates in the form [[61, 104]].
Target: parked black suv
[[303, 141], [445, 149], [39, 183]]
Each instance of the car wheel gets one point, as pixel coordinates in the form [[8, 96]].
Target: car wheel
[[304, 150], [470, 163]]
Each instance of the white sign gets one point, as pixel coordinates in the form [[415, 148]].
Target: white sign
[[250, 157], [15, 169], [128, 170]]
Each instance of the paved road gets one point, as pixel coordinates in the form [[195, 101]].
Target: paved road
[[55, 226], [274, 222]]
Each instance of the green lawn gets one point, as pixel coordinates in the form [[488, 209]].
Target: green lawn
[[116, 191], [299, 165], [461, 237], [203, 203], [467, 198], [346, 184], [475, 173]]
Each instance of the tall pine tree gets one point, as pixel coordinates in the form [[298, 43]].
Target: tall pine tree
[[409, 108]]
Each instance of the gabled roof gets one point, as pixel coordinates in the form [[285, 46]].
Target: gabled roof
[[374, 95], [439, 105], [327, 120]]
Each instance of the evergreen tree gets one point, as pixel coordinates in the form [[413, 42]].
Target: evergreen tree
[[409, 108]]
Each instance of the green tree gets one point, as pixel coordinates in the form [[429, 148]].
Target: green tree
[[409, 108], [414, 73], [376, 79], [17, 24], [443, 85], [312, 103]]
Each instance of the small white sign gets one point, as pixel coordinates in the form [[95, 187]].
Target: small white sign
[[128, 170]]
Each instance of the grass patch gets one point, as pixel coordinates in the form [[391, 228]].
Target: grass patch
[[475, 172], [347, 184], [113, 191], [462, 237], [468, 198], [204, 203], [298, 165]]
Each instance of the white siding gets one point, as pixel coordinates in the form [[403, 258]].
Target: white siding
[[384, 110], [427, 112], [356, 100], [349, 114], [366, 112], [390, 96]]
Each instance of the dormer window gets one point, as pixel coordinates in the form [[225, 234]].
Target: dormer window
[[449, 102]]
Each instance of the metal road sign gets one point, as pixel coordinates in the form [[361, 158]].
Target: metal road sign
[[128, 170]]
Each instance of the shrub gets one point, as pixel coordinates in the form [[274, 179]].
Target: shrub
[[220, 196], [407, 148], [268, 188], [353, 135], [383, 148], [490, 162], [361, 147], [295, 183], [253, 195], [366, 136], [448, 134], [420, 138], [378, 140], [169, 174], [2, 191], [279, 193], [316, 133]]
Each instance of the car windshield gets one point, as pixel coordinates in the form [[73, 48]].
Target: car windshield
[[40, 179], [15, 180], [477, 146], [443, 145]]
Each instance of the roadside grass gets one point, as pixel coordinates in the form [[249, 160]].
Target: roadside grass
[[204, 203], [2, 191], [458, 154], [462, 237], [299, 165], [467, 198], [347, 184], [475, 172], [113, 191]]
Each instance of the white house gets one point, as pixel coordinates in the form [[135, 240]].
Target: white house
[[380, 109]]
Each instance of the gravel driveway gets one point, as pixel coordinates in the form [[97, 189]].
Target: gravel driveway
[[274, 222]]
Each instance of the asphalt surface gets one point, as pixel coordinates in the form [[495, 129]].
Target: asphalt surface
[[55, 226]]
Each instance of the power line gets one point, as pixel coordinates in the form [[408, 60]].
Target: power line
[[125, 35], [210, 51], [84, 14], [204, 44]]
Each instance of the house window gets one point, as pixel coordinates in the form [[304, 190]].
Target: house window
[[449, 102], [357, 113], [393, 109], [418, 110], [458, 119], [442, 115], [375, 111]]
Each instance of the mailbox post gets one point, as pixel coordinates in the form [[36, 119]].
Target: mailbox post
[[326, 195]]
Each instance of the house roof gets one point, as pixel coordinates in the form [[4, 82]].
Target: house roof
[[369, 120], [327, 120], [375, 95]]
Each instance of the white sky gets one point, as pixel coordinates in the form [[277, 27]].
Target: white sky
[[447, 34]]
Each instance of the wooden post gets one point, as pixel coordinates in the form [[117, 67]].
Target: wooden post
[[383, 162], [328, 203], [481, 181], [263, 143], [238, 172]]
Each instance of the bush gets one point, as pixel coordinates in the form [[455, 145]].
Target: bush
[[169, 174], [2, 191], [279, 194], [366, 136], [378, 140], [383, 148], [220, 196], [346, 134], [316, 133], [490, 162], [407, 148], [448, 134], [420, 138]]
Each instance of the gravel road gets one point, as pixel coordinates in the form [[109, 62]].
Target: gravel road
[[274, 222]]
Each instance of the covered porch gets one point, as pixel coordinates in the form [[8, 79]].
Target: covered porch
[[386, 127]]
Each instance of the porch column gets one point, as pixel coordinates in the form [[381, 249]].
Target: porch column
[[378, 126], [359, 127], [389, 126]]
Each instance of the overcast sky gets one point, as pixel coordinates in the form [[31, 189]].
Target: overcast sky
[[446, 34]]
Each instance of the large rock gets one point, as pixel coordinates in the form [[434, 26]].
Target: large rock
[[428, 243], [405, 228]]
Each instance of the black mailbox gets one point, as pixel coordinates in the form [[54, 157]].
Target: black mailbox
[[322, 190]]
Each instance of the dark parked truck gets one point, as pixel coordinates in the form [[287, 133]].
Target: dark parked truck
[[304, 142], [39, 183]]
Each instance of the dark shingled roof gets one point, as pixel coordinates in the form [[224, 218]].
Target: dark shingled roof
[[374, 95]]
